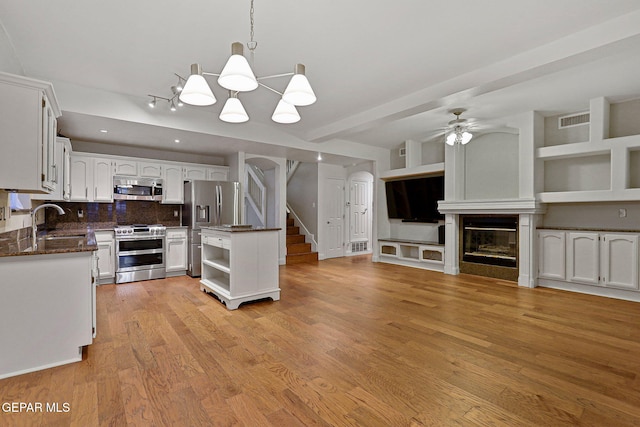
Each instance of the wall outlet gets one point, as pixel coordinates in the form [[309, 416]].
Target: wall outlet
[[622, 213], [175, 213], [80, 213]]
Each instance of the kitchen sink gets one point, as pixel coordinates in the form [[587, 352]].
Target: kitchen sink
[[61, 242]]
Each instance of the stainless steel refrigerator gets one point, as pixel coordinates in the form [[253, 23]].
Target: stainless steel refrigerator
[[208, 203]]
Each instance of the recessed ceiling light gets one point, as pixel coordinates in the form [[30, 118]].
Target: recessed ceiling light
[[104, 130], [177, 141]]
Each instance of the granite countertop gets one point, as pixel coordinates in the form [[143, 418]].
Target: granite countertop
[[587, 229], [240, 229], [56, 242]]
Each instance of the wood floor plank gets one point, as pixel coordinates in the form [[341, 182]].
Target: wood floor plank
[[350, 343]]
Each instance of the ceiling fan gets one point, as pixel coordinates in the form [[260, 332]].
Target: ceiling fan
[[458, 129]]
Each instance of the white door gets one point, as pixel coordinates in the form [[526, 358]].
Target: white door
[[359, 211], [583, 257], [334, 218], [620, 261]]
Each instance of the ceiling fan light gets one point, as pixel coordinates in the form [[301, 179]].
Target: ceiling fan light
[[451, 139], [233, 111], [237, 74], [196, 91], [285, 113], [299, 91], [465, 137]]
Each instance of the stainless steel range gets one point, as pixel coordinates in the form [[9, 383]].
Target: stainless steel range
[[140, 252]]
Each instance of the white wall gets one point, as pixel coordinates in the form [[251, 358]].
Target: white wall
[[491, 167], [593, 216]]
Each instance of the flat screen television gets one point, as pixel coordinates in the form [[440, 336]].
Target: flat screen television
[[416, 199]]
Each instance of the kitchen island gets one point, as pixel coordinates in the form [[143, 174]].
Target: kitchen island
[[240, 264], [47, 302]]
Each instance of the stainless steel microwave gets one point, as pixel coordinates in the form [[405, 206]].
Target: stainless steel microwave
[[137, 188]]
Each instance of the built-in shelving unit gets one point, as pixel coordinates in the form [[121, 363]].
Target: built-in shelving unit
[[426, 255]]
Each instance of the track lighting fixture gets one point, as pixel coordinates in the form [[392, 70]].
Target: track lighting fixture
[[237, 76]]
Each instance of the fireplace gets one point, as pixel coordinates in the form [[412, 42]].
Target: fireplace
[[489, 245]]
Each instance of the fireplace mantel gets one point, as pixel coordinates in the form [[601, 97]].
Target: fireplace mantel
[[498, 206]]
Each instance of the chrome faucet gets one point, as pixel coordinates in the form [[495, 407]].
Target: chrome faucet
[[34, 237]]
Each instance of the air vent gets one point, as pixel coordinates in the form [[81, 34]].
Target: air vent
[[403, 152], [359, 247], [572, 120]]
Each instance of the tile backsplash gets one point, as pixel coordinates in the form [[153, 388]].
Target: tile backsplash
[[121, 212]]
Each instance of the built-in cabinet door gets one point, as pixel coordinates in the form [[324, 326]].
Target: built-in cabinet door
[[49, 166], [620, 260], [176, 250], [81, 178], [218, 174], [125, 168], [149, 170], [173, 185], [195, 173], [103, 180], [552, 254], [583, 257], [106, 255]]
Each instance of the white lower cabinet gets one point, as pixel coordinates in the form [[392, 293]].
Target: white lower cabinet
[[106, 256], [620, 260], [412, 254], [176, 257], [583, 257], [606, 260], [551, 256]]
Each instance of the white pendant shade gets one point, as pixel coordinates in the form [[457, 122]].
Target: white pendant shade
[[451, 139], [196, 90], [458, 135], [298, 91], [466, 137], [233, 111], [237, 74], [285, 113]]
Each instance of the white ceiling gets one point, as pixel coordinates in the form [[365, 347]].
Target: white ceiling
[[384, 72]]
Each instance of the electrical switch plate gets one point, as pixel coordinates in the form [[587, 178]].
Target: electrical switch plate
[[622, 213], [175, 213], [80, 213]]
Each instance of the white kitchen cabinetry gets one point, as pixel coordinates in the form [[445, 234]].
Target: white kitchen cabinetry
[[81, 177], [149, 170], [195, 172], [429, 256], [583, 257], [218, 173], [91, 179], [240, 266], [620, 260], [552, 254], [28, 114], [61, 170], [125, 167], [172, 184], [608, 261], [106, 256], [102, 180], [176, 259]]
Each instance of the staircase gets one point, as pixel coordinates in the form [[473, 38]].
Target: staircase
[[297, 250]]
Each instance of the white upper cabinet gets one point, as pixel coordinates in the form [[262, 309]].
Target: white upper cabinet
[[195, 172], [61, 169], [125, 167], [149, 170], [102, 180], [28, 114], [91, 179], [172, 184], [218, 173]]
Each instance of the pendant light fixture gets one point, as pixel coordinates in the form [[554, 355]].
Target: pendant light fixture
[[237, 76]]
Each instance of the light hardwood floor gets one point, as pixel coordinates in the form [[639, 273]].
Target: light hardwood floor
[[351, 343]]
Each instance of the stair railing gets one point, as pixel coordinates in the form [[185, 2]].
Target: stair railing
[[256, 194], [309, 238], [292, 165]]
